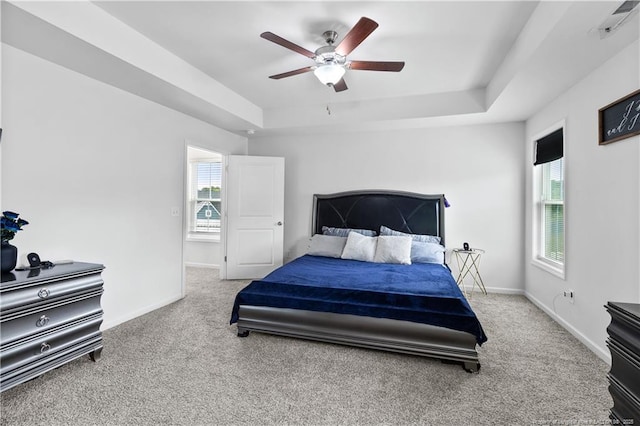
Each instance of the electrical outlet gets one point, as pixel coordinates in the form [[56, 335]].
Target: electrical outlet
[[571, 295], [175, 211]]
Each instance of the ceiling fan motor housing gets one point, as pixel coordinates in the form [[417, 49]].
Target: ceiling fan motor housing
[[327, 55]]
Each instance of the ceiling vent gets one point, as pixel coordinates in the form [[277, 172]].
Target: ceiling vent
[[625, 11]]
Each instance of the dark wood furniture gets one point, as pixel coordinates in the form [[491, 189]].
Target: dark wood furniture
[[48, 317], [402, 211], [624, 377]]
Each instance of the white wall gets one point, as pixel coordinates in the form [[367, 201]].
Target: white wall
[[602, 206], [97, 171], [478, 168], [202, 254]]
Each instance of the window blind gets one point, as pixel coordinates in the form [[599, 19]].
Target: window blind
[[552, 205], [549, 148], [206, 180], [554, 232]]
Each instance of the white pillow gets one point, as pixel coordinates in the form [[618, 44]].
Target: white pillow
[[326, 245], [427, 253], [359, 247], [393, 249]]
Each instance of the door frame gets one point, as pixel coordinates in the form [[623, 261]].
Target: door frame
[[185, 204]]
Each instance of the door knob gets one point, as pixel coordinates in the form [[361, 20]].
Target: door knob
[[279, 223]]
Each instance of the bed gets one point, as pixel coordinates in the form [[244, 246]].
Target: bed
[[415, 309]]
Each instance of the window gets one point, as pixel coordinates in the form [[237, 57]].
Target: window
[[550, 211], [205, 203]]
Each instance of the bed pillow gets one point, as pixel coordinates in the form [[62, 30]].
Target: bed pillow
[[427, 253], [360, 247], [343, 232], [326, 245], [393, 249], [415, 237]]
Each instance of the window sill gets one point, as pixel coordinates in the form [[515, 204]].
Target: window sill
[[552, 268], [205, 238]]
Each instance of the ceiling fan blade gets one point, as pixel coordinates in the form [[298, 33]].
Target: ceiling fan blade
[[292, 73], [286, 43], [376, 66], [340, 86], [356, 35]]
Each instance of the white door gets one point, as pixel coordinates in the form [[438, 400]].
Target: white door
[[255, 216]]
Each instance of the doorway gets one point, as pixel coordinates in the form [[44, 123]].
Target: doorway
[[203, 207]]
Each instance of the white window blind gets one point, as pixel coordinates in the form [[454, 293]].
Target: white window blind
[[552, 214], [206, 183]]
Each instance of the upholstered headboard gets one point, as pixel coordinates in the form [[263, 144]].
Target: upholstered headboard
[[402, 211]]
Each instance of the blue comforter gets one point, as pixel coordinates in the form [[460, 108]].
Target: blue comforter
[[421, 292]]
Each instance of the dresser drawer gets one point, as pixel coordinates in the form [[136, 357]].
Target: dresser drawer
[[29, 297], [90, 345], [48, 345], [626, 406], [625, 364], [24, 325]]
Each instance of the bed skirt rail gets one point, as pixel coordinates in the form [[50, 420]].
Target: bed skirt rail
[[368, 332]]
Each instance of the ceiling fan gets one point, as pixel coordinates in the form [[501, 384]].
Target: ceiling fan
[[331, 61]]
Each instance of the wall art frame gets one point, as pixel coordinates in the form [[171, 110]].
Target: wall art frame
[[620, 119]]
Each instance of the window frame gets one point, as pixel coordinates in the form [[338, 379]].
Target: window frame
[[191, 234], [539, 259]]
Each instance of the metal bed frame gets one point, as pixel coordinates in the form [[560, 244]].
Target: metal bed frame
[[403, 211]]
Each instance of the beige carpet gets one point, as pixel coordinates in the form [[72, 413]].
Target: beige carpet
[[184, 365]]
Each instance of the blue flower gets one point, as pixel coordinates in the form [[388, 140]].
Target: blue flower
[[10, 223], [10, 215]]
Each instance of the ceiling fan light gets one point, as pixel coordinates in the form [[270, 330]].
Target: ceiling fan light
[[329, 74]]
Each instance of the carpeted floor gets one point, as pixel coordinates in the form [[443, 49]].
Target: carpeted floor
[[184, 365]]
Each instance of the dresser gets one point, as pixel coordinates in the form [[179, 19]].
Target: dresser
[[624, 377], [48, 317]]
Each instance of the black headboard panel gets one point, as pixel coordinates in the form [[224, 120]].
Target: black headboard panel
[[402, 211]]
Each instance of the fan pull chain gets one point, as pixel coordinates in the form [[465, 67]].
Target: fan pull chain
[[328, 110]]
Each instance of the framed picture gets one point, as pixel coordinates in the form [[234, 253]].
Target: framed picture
[[620, 119]]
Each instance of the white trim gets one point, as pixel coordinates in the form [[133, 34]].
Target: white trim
[[183, 218], [213, 237], [202, 265], [223, 228], [497, 290], [599, 351], [549, 266]]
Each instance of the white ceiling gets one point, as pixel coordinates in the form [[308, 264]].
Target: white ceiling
[[446, 46], [474, 61]]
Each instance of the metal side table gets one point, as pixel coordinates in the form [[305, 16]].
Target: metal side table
[[469, 265]]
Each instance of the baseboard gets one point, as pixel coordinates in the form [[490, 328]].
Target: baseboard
[[202, 265], [110, 324], [600, 352], [498, 290]]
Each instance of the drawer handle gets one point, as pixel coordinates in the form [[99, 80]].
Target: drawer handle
[[44, 347], [43, 293], [42, 321]]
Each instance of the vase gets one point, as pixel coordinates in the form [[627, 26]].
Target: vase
[[9, 257]]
